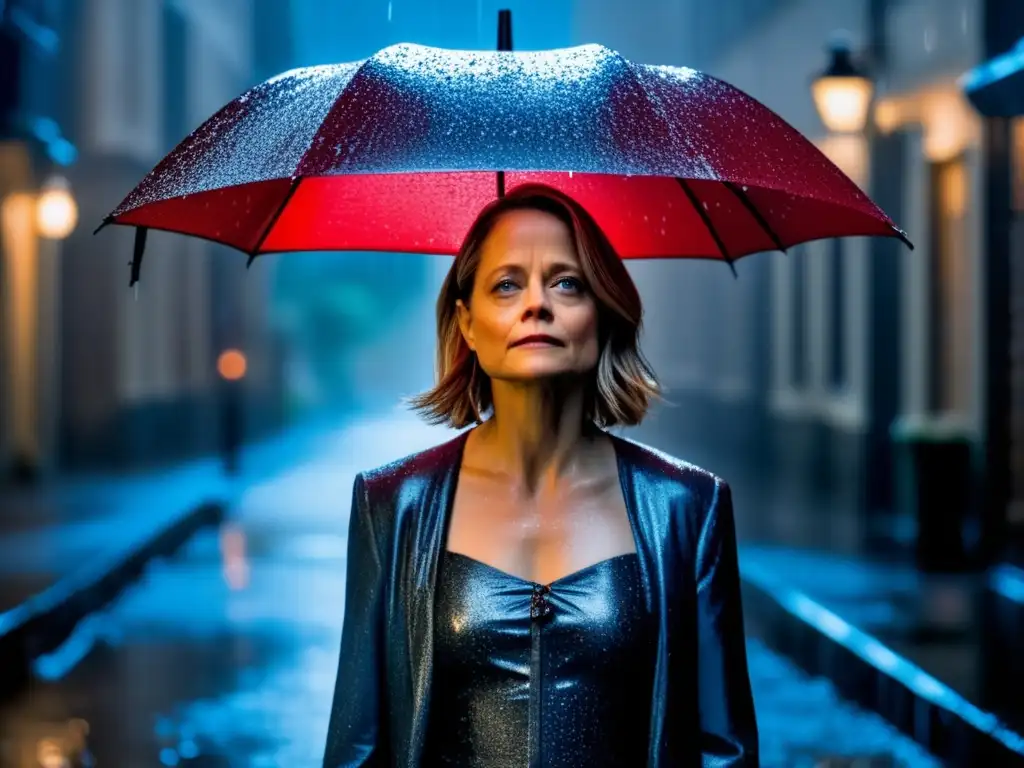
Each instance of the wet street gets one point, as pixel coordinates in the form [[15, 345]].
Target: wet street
[[226, 655]]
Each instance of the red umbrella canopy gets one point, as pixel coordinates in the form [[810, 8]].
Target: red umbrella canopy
[[400, 151]]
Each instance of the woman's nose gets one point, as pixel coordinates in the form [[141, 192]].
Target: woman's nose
[[536, 301]]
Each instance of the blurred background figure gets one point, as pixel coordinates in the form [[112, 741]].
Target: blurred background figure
[[864, 402]]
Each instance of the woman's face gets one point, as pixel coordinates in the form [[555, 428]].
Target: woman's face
[[530, 314]]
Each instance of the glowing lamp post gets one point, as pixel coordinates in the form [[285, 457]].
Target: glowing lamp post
[[231, 366], [56, 209], [842, 92]]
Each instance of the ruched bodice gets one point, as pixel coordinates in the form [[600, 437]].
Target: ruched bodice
[[541, 675]]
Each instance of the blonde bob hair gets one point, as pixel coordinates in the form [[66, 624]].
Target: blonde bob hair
[[623, 384]]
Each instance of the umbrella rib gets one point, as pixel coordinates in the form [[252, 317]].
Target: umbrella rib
[[316, 134], [692, 197], [756, 214], [273, 220]]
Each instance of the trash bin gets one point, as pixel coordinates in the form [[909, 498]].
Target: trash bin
[[932, 459]]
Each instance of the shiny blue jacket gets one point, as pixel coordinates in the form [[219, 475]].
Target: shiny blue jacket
[[702, 710]]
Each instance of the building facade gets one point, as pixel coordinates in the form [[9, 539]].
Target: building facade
[[120, 379], [811, 357], [995, 89]]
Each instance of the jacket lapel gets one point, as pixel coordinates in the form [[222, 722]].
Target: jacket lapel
[[427, 538], [650, 499]]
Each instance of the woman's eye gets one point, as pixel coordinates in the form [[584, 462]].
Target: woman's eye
[[569, 284], [504, 286]]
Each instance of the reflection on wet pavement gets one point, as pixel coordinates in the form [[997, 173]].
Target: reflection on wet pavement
[[226, 656]]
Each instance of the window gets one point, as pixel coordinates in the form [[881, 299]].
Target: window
[[798, 371], [950, 296], [133, 15], [175, 76], [1016, 511], [836, 309], [122, 101]]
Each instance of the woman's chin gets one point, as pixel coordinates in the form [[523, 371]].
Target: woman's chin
[[540, 372]]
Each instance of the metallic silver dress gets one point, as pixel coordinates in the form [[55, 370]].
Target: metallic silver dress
[[541, 675]]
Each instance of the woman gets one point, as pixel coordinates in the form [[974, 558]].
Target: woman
[[538, 592]]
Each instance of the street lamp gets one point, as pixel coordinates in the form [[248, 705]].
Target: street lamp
[[232, 367], [842, 91], [56, 209]]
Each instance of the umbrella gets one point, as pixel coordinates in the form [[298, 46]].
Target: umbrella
[[400, 151]]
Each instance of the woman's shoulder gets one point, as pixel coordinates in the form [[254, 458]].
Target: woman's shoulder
[[664, 468], [416, 467]]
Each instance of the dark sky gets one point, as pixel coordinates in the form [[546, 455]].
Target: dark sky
[[343, 31]]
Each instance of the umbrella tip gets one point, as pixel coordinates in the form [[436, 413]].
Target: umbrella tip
[[103, 224], [138, 252], [903, 237], [505, 30]]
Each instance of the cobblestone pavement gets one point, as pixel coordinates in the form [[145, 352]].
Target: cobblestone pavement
[[226, 655]]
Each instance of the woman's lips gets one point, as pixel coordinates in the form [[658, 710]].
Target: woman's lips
[[537, 340]]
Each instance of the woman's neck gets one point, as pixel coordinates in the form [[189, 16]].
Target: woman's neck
[[536, 431]]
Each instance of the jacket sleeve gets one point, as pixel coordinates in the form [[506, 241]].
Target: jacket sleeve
[[355, 735], [727, 721]]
